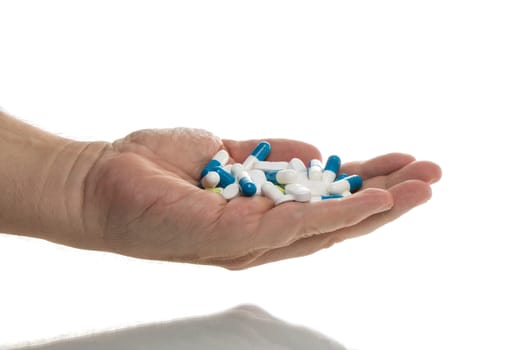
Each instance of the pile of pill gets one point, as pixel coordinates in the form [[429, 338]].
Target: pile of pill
[[280, 181]]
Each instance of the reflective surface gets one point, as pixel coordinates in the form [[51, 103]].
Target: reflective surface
[[243, 327]]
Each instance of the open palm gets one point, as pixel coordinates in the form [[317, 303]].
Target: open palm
[[141, 199]]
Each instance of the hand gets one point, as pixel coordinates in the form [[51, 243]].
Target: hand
[[141, 199]]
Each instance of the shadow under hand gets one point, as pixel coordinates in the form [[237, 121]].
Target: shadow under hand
[[243, 327]]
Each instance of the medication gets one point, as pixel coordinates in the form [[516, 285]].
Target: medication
[[331, 196], [260, 152], [258, 177], [272, 192], [218, 190], [317, 188], [282, 177], [331, 169], [219, 159], [299, 192], [315, 170], [341, 176], [297, 165], [226, 177], [267, 166], [350, 183], [231, 191], [248, 187], [280, 181], [211, 179]]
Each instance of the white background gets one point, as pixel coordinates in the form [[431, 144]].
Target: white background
[[442, 80]]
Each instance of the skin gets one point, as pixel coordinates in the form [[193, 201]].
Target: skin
[[138, 196]]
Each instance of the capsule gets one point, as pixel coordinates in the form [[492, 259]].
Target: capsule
[[350, 183], [211, 179], [282, 177], [218, 190], [248, 187], [315, 170], [226, 177], [297, 165], [260, 152], [268, 166], [271, 191], [219, 159], [341, 176], [331, 196], [231, 191], [331, 169], [299, 192]]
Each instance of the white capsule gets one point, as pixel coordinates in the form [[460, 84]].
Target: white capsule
[[318, 188], [315, 170], [297, 165], [272, 192], [267, 166], [236, 170], [299, 192], [231, 191], [302, 178], [211, 179]]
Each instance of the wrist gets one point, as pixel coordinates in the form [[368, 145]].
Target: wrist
[[42, 179], [62, 199]]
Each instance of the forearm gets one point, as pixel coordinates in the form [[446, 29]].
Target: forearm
[[41, 181]]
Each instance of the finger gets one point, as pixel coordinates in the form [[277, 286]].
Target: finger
[[378, 166], [406, 196], [418, 170], [282, 149]]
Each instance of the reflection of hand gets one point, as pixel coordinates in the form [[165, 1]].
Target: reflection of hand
[[141, 197], [244, 327]]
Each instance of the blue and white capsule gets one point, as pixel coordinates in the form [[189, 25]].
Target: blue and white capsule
[[247, 185], [350, 184], [282, 177], [225, 177], [258, 177], [259, 153], [315, 170], [333, 164], [210, 180], [219, 159], [341, 176], [332, 196]]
